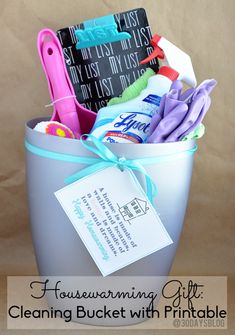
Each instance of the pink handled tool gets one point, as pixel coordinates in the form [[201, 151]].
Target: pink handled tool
[[66, 109]]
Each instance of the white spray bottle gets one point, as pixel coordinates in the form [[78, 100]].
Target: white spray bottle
[[173, 57]]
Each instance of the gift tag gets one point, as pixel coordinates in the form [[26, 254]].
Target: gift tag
[[114, 218]]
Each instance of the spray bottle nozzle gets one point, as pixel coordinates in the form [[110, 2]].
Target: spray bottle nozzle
[[172, 57], [157, 51]]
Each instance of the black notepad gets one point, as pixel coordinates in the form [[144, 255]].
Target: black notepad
[[101, 72]]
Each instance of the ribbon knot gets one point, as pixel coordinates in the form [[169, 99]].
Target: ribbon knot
[[108, 159], [121, 163]]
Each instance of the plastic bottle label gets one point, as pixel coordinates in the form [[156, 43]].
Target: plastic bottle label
[[129, 127], [153, 99], [133, 126]]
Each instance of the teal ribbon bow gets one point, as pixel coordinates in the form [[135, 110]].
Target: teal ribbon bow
[[107, 159]]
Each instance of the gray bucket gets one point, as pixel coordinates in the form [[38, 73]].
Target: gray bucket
[[58, 248]]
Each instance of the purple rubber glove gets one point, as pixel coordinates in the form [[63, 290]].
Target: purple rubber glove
[[157, 117], [199, 103], [178, 86], [168, 124], [171, 102], [196, 113], [179, 113], [168, 103], [207, 85]]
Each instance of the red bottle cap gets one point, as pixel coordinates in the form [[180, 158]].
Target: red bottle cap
[[168, 72]]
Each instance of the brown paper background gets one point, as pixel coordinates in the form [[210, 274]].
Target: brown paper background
[[203, 28]]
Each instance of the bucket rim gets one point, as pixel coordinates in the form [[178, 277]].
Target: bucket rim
[[43, 140]]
